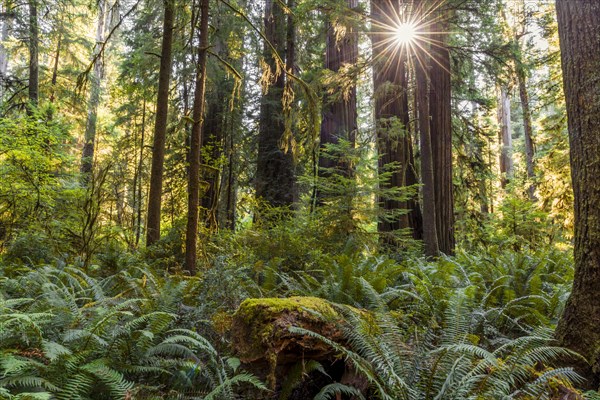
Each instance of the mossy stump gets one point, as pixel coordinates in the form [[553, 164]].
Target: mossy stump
[[262, 340]]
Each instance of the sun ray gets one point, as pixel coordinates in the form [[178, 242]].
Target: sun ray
[[404, 31]]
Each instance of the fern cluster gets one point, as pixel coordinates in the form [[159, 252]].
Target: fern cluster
[[67, 335], [446, 363]]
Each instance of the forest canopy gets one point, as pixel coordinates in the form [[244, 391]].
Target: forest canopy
[[298, 199]]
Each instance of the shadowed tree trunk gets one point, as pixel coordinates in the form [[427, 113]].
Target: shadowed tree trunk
[[274, 180], [33, 56], [339, 109], [441, 134], [506, 160], [579, 33], [392, 118], [160, 127], [195, 142], [212, 148]]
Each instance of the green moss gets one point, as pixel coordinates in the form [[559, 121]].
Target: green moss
[[257, 324], [255, 310]]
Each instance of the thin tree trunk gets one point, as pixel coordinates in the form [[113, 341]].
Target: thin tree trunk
[[527, 129], [55, 66], [138, 227], [196, 140], [430, 238], [441, 134], [506, 160], [275, 178], [87, 157], [579, 33], [160, 126], [33, 56]]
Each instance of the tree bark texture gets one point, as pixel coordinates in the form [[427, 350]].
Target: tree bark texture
[[440, 109], [195, 142], [579, 33], [339, 111], [275, 179], [160, 126], [394, 143], [430, 238], [212, 149]]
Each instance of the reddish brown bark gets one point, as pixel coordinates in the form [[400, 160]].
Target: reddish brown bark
[[339, 110], [275, 178], [394, 143], [441, 134]]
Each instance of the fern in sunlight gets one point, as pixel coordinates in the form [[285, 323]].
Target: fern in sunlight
[[444, 363]]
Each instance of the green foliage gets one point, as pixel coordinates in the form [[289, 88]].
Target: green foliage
[[445, 363], [84, 337], [36, 180]]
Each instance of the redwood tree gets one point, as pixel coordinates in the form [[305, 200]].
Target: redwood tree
[[275, 179], [441, 133], [394, 143], [339, 108], [160, 126], [422, 67], [579, 33]]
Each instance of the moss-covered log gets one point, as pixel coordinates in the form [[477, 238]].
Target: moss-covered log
[[262, 339]]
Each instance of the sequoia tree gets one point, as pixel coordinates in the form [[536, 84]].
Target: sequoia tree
[[339, 108], [579, 33], [441, 132], [394, 143], [275, 180], [430, 238]]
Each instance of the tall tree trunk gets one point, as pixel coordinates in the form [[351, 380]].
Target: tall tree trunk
[[33, 56], [527, 129], [506, 160], [441, 134], [579, 33], [160, 126], [430, 238], [392, 118], [87, 157], [138, 206], [339, 111], [196, 140], [275, 178], [212, 145]]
